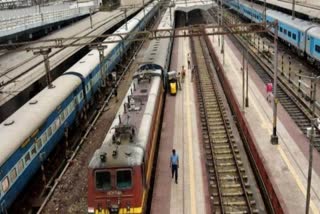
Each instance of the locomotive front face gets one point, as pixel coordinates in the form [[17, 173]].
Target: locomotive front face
[[115, 191]]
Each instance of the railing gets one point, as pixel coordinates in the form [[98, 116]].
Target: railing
[[21, 23]]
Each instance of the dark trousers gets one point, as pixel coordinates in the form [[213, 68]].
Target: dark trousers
[[174, 170]]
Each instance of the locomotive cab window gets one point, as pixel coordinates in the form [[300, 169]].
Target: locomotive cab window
[[103, 180], [317, 48], [124, 179]]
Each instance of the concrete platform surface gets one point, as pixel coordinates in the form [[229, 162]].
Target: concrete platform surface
[[180, 132], [287, 162]]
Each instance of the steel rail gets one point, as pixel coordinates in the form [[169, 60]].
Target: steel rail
[[73, 44], [292, 105], [207, 128], [220, 105], [77, 39], [226, 132]]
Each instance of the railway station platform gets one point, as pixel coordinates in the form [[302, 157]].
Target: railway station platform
[[180, 132], [15, 22], [310, 8], [287, 162]]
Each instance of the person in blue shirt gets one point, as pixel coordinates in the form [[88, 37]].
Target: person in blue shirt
[[174, 164]]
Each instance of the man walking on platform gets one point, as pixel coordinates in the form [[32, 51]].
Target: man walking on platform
[[174, 164]]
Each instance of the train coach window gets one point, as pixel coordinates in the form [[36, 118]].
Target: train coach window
[[33, 151], [317, 48], [49, 132], [124, 180], [294, 36], [27, 158], [62, 116], [285, 31], [20, 166], [5, 184], [103, 180], [289, 33], [13, 174], [39, 143], [44, 137], [281, 29]]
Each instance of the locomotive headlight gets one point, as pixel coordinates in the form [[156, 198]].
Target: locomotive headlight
[[90, 210]]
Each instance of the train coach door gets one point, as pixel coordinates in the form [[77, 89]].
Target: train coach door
[[3, 207]]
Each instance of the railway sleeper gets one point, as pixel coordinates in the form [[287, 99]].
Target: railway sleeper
[[232, 204], [232, 194], [217, 131], [229, 164], [230, 170], [217, 112], [224, 157], [215, 123], [222, 141], [222, 152], [237, 185], [217, 138]]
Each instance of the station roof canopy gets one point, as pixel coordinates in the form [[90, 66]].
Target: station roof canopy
[[185, 6]]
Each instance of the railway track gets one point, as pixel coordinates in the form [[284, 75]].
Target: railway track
[[229, 188], [295, 107], [39, 62]]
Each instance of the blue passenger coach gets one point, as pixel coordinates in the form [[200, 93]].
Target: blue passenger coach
[[313, 44], [31, 133], [303, 36]]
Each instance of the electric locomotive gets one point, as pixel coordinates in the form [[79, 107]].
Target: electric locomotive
[[119, 172]]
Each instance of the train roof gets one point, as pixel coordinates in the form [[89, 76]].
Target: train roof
[[315, 32], [157, 52], [299, 24], [91, 60], [252, 5], [135, 119], [31, 116]]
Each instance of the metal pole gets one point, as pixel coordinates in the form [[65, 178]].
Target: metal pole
[[170, 13], [243, 81], [247, 81], [78, 7], [222, 41], [45, 54], [219, 22], [311, 145], [274, 137], [101, 57], [293, 8], [90, 18], [47, 66], [144, 12], [264, 11], [125, 17]]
